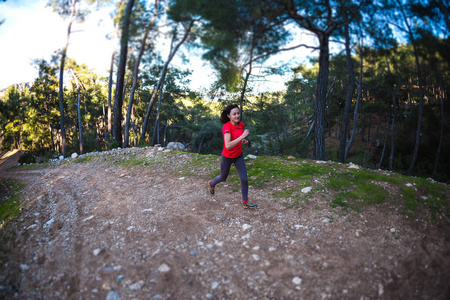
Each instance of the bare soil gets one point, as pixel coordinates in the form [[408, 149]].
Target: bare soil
[[99, 230]]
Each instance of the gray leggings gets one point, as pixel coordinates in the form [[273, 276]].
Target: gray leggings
[[225, 164]]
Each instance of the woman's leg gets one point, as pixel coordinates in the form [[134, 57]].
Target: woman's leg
[[242, 171], [225, 164]]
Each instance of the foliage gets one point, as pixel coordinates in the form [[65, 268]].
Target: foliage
[[27, 158]]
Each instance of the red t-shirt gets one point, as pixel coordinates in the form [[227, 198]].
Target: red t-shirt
[[235, 131]]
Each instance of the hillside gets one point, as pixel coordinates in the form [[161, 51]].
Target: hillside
[[139, 223]]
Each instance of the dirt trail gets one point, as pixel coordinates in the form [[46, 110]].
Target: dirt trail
[[95, 230]]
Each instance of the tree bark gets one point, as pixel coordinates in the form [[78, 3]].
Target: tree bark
[[419, 122], [136, 73], [61, 81], [348, 101], [322, 83], [355, 114], [118, 97], [108, 131], [436, 163], [384, 146], [155, 137]]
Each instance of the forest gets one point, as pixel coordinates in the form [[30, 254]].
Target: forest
[[379, 102]]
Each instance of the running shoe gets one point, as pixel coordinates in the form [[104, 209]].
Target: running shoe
[[250, 205], [211, 188]]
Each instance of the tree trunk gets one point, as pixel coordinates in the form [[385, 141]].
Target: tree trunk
[[322, 84], [163, 74], [355, 114], [348, 101], [155, 137], [419, 122], [442, 122], [136, 73], [108, 130], [384, 146], [375, 136], [247, 76], [394, 118], [118, 97], [61, 81]]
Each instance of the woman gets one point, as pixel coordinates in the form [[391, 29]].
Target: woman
[[233, 138]]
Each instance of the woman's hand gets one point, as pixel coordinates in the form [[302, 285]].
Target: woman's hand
[[246, 133], [244, 142]]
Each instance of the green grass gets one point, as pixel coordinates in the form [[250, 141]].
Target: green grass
[[10, 205], [84, 159], [274, 169], [428, 195], [355, 192]]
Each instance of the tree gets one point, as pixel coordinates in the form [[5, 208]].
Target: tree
[[407, 19], [143, 48], [118, 97], [236, 36], [322, 19], [65, 9], [173, 50]]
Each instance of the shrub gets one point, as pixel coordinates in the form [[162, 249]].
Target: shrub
[[27, 158]]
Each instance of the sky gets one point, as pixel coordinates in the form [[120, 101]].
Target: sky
[[33, 31]]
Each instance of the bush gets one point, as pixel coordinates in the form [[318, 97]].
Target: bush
[[27, 158]]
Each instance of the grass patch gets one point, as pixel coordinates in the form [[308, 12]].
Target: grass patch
[[422, 193], [10, 205], [84, 159], [273, 169], [355, 192]]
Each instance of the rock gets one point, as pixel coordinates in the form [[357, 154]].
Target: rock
[[74, 155], [306, 190], [137, 286], [246, 226], [164, 268], [112, 295], [49, 222], [250, 156], [297, 280], [97, 251], [88, 218], [176, 146], [61, 157], [380, 290], [291, 157], [353, 166]]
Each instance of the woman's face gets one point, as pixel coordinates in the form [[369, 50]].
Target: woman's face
[[235, 115]]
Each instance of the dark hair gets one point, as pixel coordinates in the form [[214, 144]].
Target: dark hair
[[225, 112]]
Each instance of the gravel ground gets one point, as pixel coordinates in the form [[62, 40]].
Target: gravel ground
[[102, 230]]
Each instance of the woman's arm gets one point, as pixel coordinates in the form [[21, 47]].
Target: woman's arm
[[231, 143]]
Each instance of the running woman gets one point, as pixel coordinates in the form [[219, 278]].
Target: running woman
[[233, 138]]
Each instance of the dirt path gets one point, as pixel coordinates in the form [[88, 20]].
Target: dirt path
[[96, 230]]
